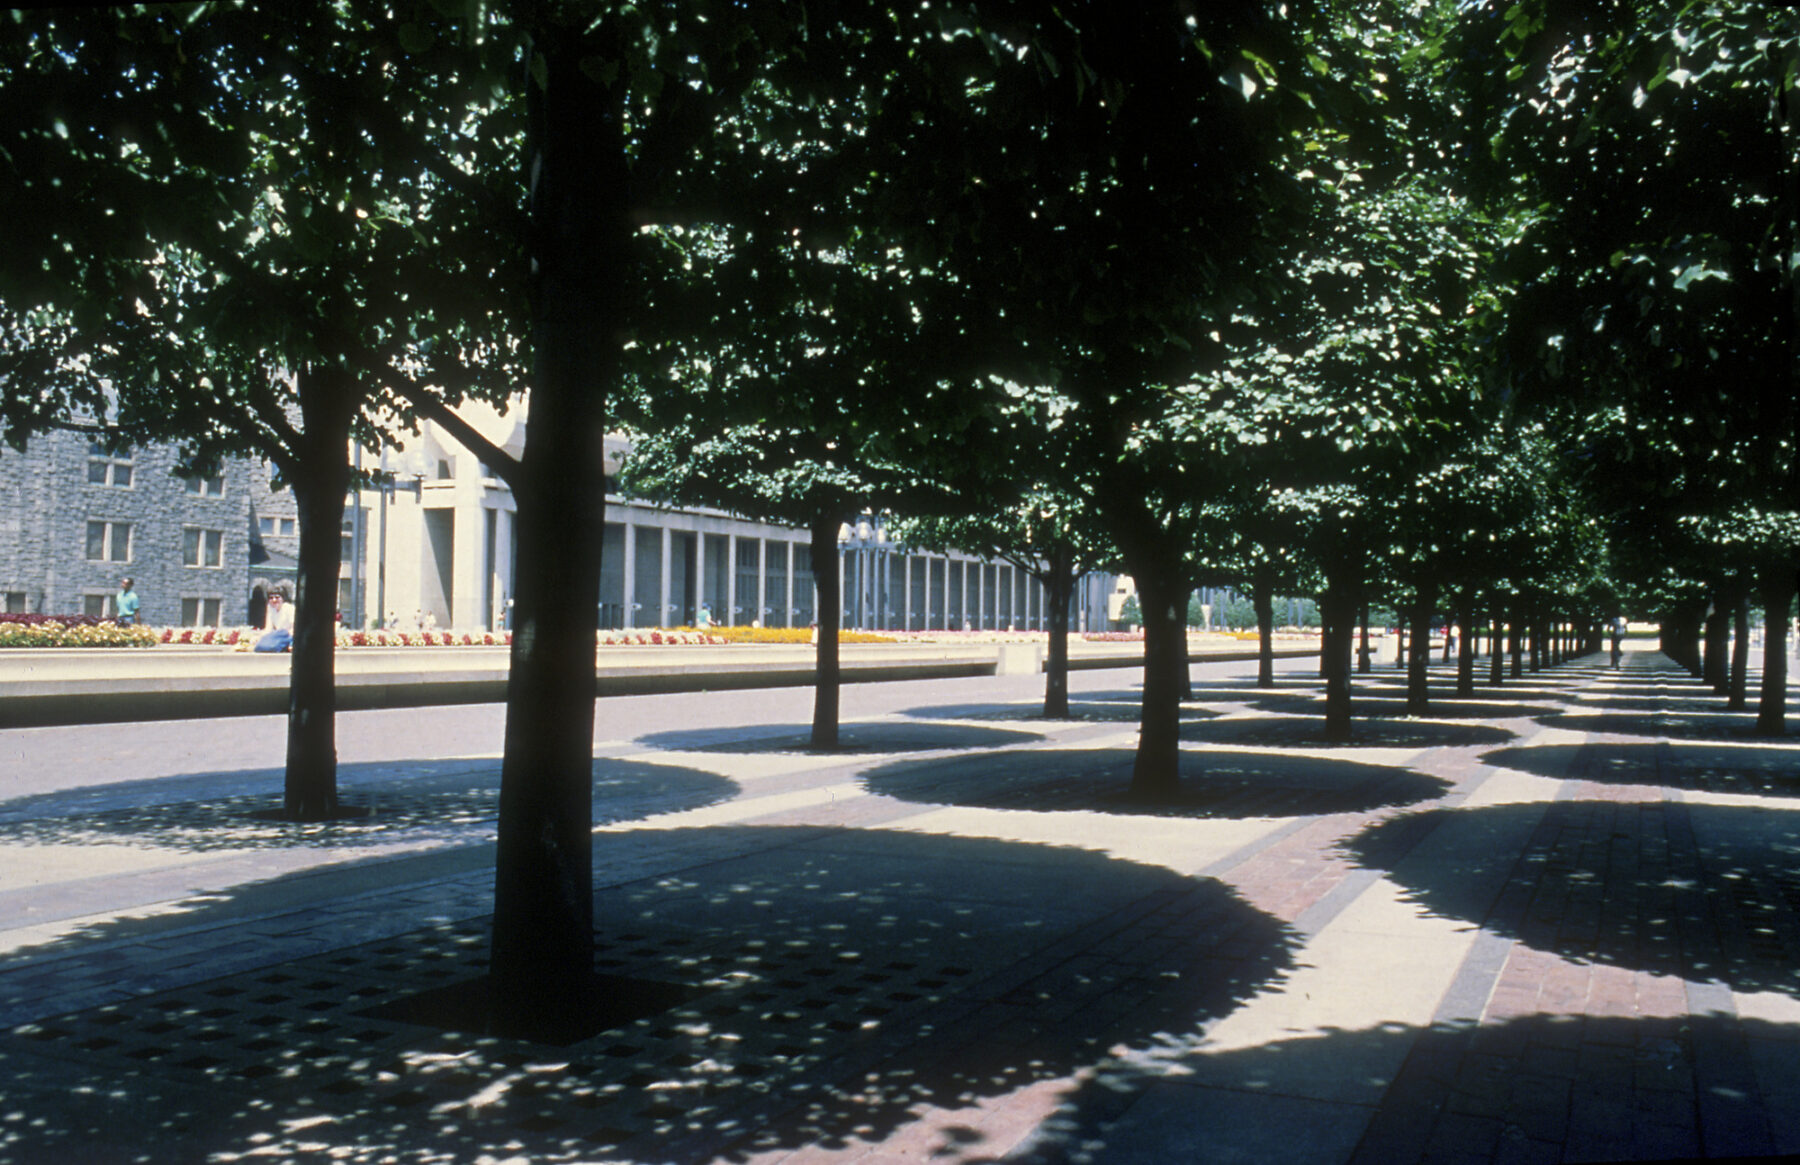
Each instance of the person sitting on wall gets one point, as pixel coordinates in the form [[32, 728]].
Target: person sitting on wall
[[278, 634]]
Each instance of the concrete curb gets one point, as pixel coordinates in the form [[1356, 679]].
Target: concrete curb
[[101, 701]]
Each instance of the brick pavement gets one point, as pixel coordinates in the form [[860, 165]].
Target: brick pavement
[[1538, 926]]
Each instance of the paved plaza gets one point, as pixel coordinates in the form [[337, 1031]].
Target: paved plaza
[[1556, 921]]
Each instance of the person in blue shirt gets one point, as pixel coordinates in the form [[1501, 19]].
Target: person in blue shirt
[[125, 605]]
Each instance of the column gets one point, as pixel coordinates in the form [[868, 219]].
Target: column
[[699, 569], [730, 617], [787, 613], [906, 591], [628, 600], [662, 597], [762, 580]]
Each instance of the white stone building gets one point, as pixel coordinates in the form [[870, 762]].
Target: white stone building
[[438, 547]]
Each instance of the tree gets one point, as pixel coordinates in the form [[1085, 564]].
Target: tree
[[1044, 532], [1648, 157], [237, 233]]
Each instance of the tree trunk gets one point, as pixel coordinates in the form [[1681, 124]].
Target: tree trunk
[[1400, 645], [1058, 583], [1465, 654], [1418, 702], [321, 478], [542, 967], [1184, 671], [1450, 630], [1740, 655], [1496, 649], [1777, 587], [1337, 611], [1713, 666], [1363, 652], [1515, 642], [827, 675], [1265, 637], [1534, 626], [1156, 773]]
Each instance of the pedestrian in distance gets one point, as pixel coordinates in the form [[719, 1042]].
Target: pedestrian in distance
[[125, 604]]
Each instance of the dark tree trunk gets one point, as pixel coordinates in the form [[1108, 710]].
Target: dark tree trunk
[[1058, 583], [1450, 630], [1337, 611], [1740, 654], [1681, 635], [542, 967], [1363, 663], [1496, 649], [1265, 637], [1534, 624], [1183, 665], [1156, 773], [1776, 585], [827, 674], [1418, 701], [1715, 669], [321, 477], [1400, 645], [1465, 655], [1515, 643]]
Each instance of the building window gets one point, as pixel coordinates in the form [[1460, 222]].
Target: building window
[[15, 602], [200, 612], [108, 468], [282, 526], [97, 606], [206, 487], [109, 541], [202, 547]]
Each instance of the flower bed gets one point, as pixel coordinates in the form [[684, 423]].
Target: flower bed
[[379, 638], [220, 636], [968, 637], [22, 630], [675, 636], [797, 635]]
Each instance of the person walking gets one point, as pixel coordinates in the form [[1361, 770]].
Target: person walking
[[125, 605]]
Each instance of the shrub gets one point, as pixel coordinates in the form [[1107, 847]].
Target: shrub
[[22, 630]]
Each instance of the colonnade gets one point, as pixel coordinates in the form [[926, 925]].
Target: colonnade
[[660, 566]]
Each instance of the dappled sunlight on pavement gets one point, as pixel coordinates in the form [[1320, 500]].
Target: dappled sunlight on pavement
[[1530, 926]]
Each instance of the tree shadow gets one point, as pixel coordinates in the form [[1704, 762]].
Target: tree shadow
[[1703, 892], [1767, 771], [841, 980], [1214, 783], [421, 802], [1715, 724], [1370, 706], [1082, 707], [1538, 1086], [852, 738], [1309, 732]]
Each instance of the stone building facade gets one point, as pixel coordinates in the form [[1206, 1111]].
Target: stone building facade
[[76, 519]]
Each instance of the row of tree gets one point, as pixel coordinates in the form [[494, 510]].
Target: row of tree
[[1466, 307]]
